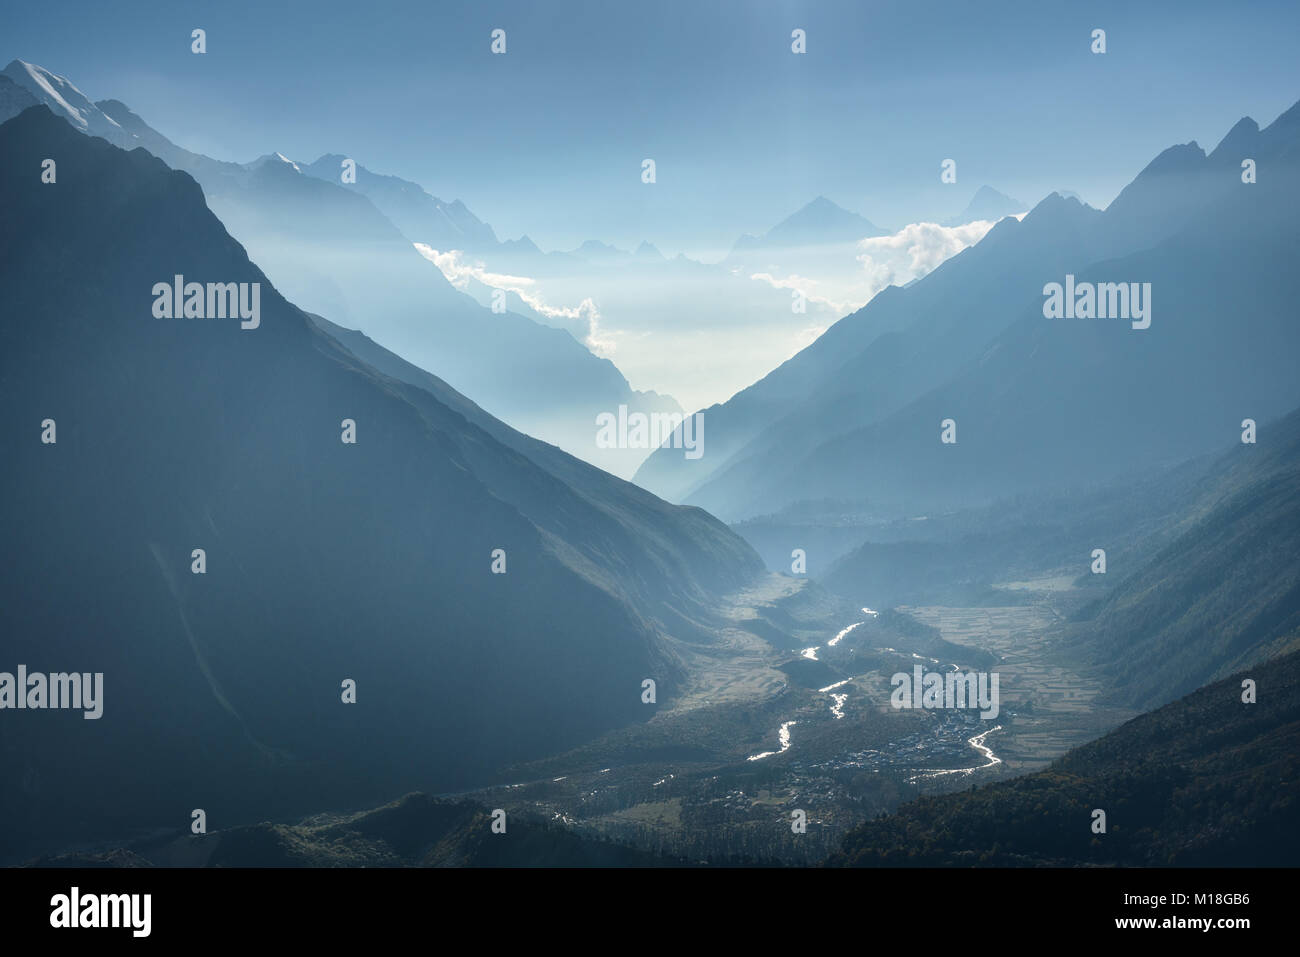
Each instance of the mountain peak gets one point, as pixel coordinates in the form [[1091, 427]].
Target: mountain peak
[[821, 221], [277, 158], [593, 250], [522, 243], [63, 98], [987, 205], [1182, 158], [1288, 120], [1241, 137]]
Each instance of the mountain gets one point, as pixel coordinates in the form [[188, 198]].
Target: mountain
[[13, 98], [644, 527], [67, 101], [272, 158], [1038, 402], [594, 251], [1205, 781], [421, 217], [989, 205], [218, 174], [819, 223], [902, 343], [323, 561], [1221, 591], [413, 831]]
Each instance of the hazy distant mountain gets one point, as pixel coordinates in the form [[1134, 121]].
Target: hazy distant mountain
[[623, 298], [272, 158], [1038, 402], [819, 223], [202, 168], [987, 204], [902, 343], [594, 251], [421, 217], [325, 561], [1206, 781]]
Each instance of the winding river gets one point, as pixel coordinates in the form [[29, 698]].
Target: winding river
[[837, 710]]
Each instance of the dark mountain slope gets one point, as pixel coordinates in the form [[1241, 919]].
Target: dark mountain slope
[[325, 561], [1206, 781], [665, 534], [1222, 594], [414, 831], [13, 98]]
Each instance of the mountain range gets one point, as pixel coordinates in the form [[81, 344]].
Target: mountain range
[[336, 250], [856, 416]]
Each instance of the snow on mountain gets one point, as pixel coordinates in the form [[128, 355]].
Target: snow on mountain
[[66, 100], [272, 158]]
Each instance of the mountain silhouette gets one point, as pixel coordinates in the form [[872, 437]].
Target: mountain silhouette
[[819, 223], [325, 561]]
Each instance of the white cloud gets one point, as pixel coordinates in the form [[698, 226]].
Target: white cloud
[[805, 286], [914, 251], [582, 320]]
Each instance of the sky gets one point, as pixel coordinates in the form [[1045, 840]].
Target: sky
[[548, 139]]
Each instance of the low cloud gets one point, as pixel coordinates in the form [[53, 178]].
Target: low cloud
[[582, 321], [914, 251], [806, 286]]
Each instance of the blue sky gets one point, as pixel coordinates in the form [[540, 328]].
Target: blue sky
[[548, 139]]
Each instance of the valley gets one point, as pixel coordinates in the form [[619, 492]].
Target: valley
[[761, 731]]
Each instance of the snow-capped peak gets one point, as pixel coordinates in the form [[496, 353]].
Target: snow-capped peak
[[62, 97], [273, 158]]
